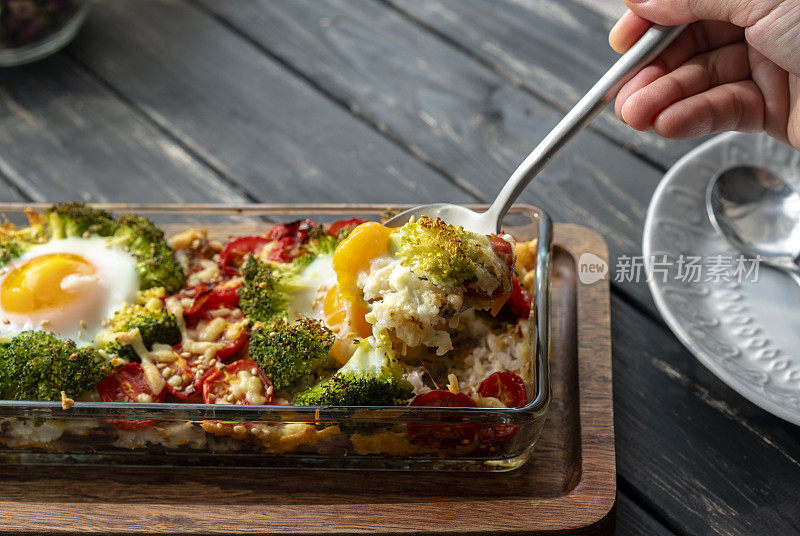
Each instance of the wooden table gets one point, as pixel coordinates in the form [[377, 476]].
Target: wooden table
[[403, 101]]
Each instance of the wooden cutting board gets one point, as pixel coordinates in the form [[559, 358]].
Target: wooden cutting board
[[569, 487]]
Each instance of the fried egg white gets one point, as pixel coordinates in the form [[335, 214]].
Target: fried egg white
[[67, 287], [311, 286]]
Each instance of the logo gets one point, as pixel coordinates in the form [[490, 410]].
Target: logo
[[591, 268]]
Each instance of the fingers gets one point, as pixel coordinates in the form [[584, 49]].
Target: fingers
[[697, 38], [642, 79], [628, 29], [793, 128], [721, 66], [736, 106], [673, 12], [774, 83]]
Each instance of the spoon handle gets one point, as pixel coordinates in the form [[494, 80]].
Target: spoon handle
[[643, 52]]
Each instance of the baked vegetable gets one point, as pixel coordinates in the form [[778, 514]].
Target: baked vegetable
[[35, 365], [289, 352]]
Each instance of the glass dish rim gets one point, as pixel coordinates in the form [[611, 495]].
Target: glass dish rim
[[182, 412]]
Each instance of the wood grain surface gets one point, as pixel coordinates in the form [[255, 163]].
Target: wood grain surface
[[570, 484]]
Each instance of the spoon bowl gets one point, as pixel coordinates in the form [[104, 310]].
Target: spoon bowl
[[475, 222], [758, 214]]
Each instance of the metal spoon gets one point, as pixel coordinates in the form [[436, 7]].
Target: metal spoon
[[643, 52], [758, 214]]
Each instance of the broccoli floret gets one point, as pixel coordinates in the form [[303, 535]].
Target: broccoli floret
[[35, 365], [288, 352], [155, 325], [14, 242], [261, 297], [156, 265], [325, 244], [372, 377], [76, 219], [443, 253]]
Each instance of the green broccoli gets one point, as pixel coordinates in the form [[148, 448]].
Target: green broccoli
[[65, 220], [289, 352], [261, 297], [267, 287], [372, 377], [156, 265], [155, 325], [14, 242], [324, 244], [443, 253], [35, 365]]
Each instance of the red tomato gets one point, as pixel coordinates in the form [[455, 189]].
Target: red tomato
[[233, 347], [234, 252], [297, 230], [207, 298], [125, 385], [186, 369], [505, 386], [343, 225], [284, 250], [288, 238], [504, 251], [509, 389], [519, 303], [442, 435], [218, 385]]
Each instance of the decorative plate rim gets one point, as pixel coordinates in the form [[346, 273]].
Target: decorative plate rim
[[762, 395]]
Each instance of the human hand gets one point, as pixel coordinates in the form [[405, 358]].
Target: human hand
[[736, 67]]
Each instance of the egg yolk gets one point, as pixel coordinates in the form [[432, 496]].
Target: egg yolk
[[39, 284], [345, 316], [346, 320], [353, 255]]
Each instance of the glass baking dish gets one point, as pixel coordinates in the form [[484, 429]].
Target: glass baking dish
[[288, 436]]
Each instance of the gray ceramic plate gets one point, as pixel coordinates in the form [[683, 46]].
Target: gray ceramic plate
[[741, 321]]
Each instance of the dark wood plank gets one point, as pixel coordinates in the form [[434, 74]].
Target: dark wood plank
[[701, 455], [555, 48], [65, 137], [451, 110], [263, 127], [8, 190], [633, 521]]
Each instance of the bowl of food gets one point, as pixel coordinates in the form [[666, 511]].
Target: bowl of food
[[217, 335], [33, 29]]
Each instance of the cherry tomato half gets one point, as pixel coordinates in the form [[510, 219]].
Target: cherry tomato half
[[442, 435], [288, 238], [504, 250], [347, 225], [128, 384], [189, 385], [284, 250], [241, 382], [509, 389], [207, 298], [297, 230], [232, 347], [519, 302], [234, 252]]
